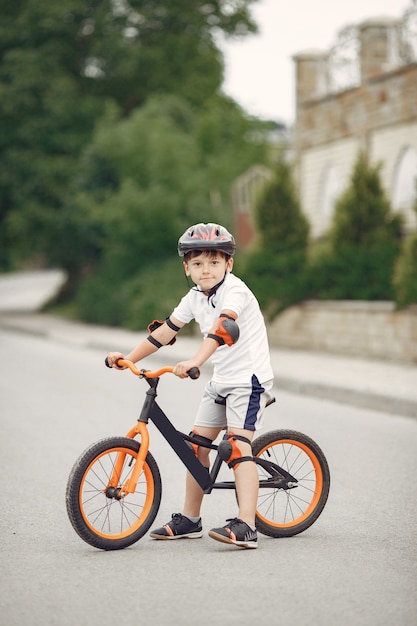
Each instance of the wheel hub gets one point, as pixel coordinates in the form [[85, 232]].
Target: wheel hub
[[113, 493]]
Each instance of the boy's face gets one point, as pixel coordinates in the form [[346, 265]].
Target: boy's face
[[207, 269]]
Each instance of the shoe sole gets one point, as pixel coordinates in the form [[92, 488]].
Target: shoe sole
[[238, 544], [187, 536]]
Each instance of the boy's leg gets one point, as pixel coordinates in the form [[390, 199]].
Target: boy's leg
[[245, 406], [181, 525], [193, 492], [241, 530], [188, 524], [247, 480], [210, 420]]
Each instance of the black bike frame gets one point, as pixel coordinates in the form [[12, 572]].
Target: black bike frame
[[182, 448]]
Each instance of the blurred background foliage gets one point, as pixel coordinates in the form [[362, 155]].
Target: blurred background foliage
[[363, 256], [150, 175], [276, 266], [405, 271], [363, 243], [116, 136]]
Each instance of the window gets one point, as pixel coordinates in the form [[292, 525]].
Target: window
[[405, 181], [330, 191]]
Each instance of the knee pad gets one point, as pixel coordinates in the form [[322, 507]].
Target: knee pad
[[230, 453], [197, 440]]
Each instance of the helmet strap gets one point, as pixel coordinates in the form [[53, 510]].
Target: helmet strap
[[210, 295], [213, 291]]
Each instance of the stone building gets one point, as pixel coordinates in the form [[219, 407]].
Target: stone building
[[359, 95], [376, 112]]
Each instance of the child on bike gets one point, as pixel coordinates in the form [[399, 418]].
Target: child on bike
[[234, 337]]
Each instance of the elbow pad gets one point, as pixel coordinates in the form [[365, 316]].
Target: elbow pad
[[156, 324], [227, 331]]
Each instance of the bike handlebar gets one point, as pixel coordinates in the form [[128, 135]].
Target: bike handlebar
[[193, 373]]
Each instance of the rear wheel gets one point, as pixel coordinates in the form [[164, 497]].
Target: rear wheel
[[287, 507], [97, 512]]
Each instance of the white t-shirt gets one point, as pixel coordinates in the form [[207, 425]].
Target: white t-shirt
[[234, 364]]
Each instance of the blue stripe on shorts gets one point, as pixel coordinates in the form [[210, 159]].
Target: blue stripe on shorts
[[254, 404]]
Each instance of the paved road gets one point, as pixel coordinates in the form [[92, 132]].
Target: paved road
[[356, 566]]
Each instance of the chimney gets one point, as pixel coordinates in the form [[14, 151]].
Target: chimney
[[379, 46], [311, 75]]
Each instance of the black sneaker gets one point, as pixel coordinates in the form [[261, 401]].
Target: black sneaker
[[180, 527], [236, 532]]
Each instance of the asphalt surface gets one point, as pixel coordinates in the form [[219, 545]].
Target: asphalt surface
[[356, 565]]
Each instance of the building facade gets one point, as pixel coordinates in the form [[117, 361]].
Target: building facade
[[376, 112], [359, 95]]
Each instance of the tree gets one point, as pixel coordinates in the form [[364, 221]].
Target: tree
[[362, 244], [61, 64], [146, 177], [275, 267]]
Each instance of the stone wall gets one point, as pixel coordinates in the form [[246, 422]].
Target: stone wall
[[363, 329]]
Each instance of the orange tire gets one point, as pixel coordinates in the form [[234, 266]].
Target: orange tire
[[97, 514], [288, 507]]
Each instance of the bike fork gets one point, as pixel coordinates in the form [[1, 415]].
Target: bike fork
[[130, 485]]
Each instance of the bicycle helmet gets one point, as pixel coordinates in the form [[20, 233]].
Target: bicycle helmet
[[206, 237]]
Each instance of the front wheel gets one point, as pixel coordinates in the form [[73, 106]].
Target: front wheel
[[286, 507], [97, 513]]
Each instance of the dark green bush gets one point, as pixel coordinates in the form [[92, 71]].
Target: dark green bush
[[276, 277], [133, 303], [275, 268], [353, 274], [405, 274]]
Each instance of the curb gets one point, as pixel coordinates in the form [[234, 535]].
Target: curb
[[353, 397]]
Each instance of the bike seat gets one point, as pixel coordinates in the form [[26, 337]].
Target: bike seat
[[222, 400]]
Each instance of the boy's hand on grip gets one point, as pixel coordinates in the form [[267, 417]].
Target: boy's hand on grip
[[112, 359]]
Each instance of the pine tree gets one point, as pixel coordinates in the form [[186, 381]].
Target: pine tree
[[275, 267], [363, 242]]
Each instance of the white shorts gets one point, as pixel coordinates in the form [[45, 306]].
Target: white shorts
[[244, 406]]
